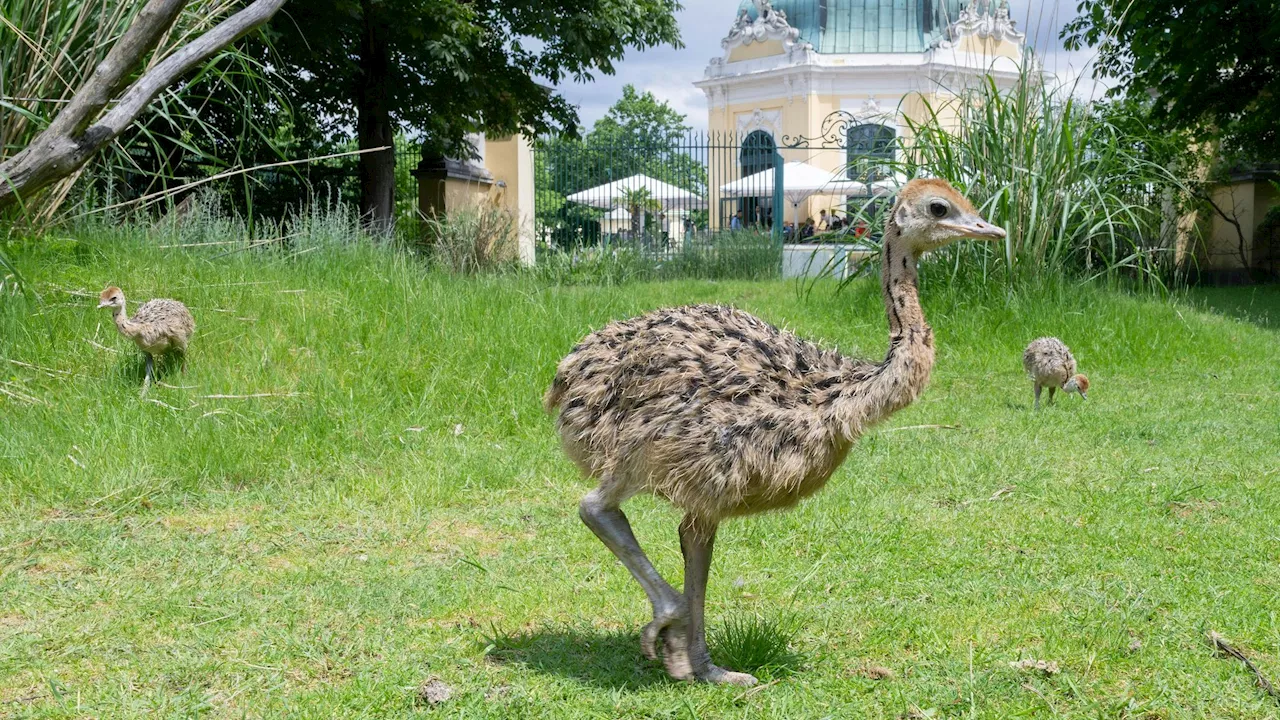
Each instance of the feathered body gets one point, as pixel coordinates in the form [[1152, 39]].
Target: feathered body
[[718, 411], [724, 414], [1051, 365], [1048, 361], [158, 326]]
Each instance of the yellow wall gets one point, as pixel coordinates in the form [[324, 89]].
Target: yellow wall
[[803, 117], [769, 48], [988, 47], [1213, 242], [510, 161]]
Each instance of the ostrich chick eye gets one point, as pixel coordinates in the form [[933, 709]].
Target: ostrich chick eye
[[938, 209]]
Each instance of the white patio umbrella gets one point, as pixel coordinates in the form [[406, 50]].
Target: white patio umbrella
[[612, 195], [799, 181], [889, 185]]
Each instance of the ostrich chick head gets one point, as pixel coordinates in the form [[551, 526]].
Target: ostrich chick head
[[931, 214], [1077, 383], [112, 297]]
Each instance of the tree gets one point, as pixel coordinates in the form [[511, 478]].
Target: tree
[[639, 134], [86, 123], [1212, 66], [447, 68]]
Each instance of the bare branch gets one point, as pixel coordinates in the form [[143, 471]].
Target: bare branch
[[108, 79], [73, 136]]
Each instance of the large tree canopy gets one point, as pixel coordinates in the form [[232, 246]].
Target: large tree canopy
[[1213, 66], [445, 68]]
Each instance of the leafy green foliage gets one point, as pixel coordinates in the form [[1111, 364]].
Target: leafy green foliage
[[1078, 190], [1212, 65], [459, 67], [639, 135]]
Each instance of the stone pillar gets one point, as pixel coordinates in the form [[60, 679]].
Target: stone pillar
[[510, 160]]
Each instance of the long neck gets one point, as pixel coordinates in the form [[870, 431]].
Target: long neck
[[123, 323], [873, 393]]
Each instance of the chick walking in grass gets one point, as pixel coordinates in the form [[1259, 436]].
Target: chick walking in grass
[[1050, 364], [158, 327]]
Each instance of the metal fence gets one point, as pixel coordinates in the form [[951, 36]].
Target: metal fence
[[668, 196]]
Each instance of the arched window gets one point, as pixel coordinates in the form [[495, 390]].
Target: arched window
[[870, 150], [756, 155], [757, 152]]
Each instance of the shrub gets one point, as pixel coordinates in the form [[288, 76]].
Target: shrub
[[471, 240], [1070, 181]]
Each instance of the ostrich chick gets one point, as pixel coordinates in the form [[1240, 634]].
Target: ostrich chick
[[723, 414], [158, 327], [1050, 364]]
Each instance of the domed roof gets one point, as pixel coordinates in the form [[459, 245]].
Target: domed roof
[[866, 26]]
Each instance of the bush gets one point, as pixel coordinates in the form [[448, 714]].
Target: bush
[[1069, 181], [471, 240]]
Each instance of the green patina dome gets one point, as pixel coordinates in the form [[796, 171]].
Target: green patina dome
[[866, 26]]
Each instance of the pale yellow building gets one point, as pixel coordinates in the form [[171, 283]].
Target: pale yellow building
[[859, 66]]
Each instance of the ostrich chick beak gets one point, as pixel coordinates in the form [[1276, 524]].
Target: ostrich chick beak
[[975, 227], [103, 304], [1084, 396]]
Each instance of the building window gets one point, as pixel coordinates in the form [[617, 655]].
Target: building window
[[757, 152], [756, 155], [870, 151]]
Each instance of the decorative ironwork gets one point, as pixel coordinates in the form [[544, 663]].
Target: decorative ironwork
[[834, 133]]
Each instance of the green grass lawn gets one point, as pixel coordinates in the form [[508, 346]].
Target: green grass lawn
[[384, 503]]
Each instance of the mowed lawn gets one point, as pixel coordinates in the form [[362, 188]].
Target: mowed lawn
[[354, 491]]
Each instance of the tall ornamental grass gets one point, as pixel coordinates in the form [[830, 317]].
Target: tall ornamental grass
[[1071, 186], [49, 48]]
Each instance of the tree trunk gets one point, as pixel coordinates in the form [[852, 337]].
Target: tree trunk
[[373, 123]]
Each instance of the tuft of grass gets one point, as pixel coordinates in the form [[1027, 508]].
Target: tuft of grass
[[758, 644]]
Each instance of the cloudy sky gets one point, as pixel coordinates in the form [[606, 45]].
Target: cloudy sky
[[669, 73]]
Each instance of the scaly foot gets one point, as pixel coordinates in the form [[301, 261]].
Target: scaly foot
[[712, 674], [670, 627]]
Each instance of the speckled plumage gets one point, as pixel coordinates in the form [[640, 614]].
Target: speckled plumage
[[159, 326], [1048, 361], [1050, 364], [723, 414], [716, 410]]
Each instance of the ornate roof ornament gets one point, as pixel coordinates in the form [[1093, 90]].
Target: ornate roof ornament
[[986, 19], [769, 24]]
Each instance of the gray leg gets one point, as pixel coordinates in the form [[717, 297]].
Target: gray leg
[[670, 611], [146, 380], [697, 540], [1052, 390], [1037, 396]]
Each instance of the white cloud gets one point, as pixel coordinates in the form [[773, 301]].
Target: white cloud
[[669, 73]]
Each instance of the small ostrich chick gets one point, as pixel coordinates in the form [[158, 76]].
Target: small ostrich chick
[[158, 327], [1050, 364], [724, 415]]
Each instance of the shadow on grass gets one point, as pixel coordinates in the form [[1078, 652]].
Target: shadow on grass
[[612, 658], [604, 658], [133, 367], [1258, 304]]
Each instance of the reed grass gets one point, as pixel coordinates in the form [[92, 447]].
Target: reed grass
[[1069, 182]]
